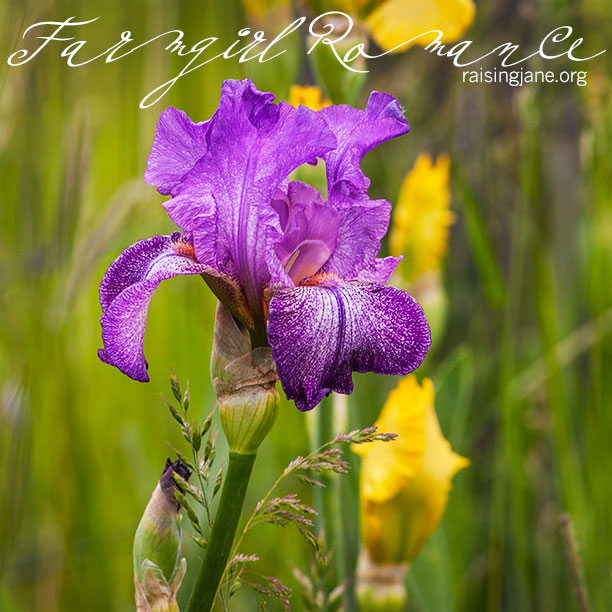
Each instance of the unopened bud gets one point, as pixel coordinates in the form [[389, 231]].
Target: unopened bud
[[245, 384], [158, 567]]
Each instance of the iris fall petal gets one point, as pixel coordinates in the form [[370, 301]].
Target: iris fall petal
[[320, 334], [125, 292]]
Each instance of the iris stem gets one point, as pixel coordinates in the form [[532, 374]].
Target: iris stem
[[222, 534]]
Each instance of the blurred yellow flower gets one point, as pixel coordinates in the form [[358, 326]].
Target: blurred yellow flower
[[396, 21], [405, 483], [307, 95], [259, 8], [346, 6], [422, 216]]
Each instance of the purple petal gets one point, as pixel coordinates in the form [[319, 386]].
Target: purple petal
[[296, 196], [178, 144], [379, 271], [307, 259], [252, 146], [282, 205], [321, 334], [365, 221], [363, 227], [311, 228], [358, 132], [126, 290]]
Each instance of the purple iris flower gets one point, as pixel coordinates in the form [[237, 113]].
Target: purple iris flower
[[299, 271]]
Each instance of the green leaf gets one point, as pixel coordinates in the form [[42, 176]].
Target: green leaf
[[482, 249], [454, 382], [429, 577]]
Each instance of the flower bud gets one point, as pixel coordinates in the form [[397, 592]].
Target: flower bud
[[245, 384], [158, 567]]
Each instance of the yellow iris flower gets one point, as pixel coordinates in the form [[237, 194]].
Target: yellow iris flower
[[405, 483], [422, 216], [307, 95], [259, 8], [395, 21]]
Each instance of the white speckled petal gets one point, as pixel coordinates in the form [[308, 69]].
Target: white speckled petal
[[320, 334]]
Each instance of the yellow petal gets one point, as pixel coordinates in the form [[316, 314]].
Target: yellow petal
[[424, 500], [308, 95], [388, 466], [346, 6], [404, 493], [440, 462], [259, 8], [396, 21], [422, 217]]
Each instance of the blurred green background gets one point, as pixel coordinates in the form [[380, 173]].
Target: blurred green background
[[522, 371]]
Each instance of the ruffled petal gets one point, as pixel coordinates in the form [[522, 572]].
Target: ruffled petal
[[365, 221], [358, 132], [178, 145], [252, 145], [364, 226], [320, 334], [126, 290], [379, 271]]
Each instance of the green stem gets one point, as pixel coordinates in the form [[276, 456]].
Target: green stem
[[346, 503], [222, 533], [324, 497]]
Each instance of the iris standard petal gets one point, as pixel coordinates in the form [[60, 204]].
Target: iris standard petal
[[358, 132], [178, 144], [126, 290], [320, 334], [252, 145], [364, 225], [379, 271], [365, 221]]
